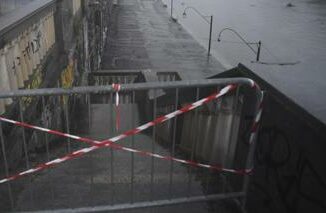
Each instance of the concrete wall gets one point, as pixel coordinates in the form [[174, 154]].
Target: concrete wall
[[76, 6], [22, 58]]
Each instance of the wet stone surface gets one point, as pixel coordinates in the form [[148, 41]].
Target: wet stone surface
[[142, 36], [106, 177]]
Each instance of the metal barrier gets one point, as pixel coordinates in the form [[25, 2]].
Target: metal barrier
[[152, 161]]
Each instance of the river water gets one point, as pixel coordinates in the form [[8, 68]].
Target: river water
[[289, 35]]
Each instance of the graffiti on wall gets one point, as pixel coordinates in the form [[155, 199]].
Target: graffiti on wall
[[67, 76], [34, 83], [21, 58], [288, 180]]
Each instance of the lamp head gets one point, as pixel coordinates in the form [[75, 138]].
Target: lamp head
[[184, 14], [218, 39]]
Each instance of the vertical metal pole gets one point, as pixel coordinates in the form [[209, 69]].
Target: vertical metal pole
[[173, 142], [153, 147], [133, 146], [4, 155], [193, 148], [210, 36], [47, 147], [258, 51], [112, 177], [66, 109], [25, 146], [89, 158], [112, 154], [24, 134], [88, 97], [112, 113], [172, 8], [91, 177]]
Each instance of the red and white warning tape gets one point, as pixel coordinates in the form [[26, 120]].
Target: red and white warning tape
[[111, 142], [254, 128]]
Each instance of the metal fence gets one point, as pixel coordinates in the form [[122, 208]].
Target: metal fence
[[141, 166]]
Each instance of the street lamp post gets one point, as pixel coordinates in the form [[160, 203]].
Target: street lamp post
[[210, 36], [208, 20], [257, 52], [172, 8]]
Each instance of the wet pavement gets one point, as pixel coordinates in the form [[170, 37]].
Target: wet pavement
[[104, 177], [142, 36], [107, 177]]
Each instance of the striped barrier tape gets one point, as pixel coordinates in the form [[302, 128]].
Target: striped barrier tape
[[111, 142], [255, 126]]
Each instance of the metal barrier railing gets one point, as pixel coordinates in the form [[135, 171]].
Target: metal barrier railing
[[28, 124]]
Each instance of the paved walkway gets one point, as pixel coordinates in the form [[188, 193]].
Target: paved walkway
[[142, 36]]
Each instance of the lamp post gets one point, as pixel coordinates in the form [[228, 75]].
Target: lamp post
[[172, 8], [257, 52], [208, 20]]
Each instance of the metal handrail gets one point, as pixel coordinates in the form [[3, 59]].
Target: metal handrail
[[125, 87]]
